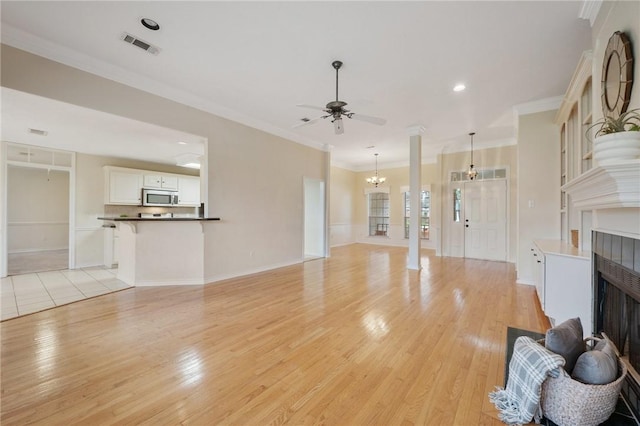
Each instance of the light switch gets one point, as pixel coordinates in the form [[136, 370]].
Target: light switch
[[531, 204]]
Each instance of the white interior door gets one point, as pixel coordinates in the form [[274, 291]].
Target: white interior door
[[485, 212], [313, 218]]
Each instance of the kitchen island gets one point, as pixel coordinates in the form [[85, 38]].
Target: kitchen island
[[161, 251]]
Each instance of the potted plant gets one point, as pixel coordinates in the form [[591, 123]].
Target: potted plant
[[617, 138]]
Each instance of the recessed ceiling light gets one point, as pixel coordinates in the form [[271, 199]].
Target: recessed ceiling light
[[459, 87], [181, 143], [150, 24]]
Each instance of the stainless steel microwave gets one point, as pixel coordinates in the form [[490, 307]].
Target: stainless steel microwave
[[159, 197]]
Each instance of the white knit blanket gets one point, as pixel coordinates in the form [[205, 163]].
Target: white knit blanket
[[530, 365]]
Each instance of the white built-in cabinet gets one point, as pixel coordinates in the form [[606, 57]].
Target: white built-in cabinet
[[123, 186], [169, 182], [563, 282], [189, 191], [576, 149], [562, 270], [111, 246], [538, 273]]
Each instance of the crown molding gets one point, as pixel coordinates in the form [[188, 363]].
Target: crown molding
[[547, 104], [452, 149], [22, 40], [590, 10]]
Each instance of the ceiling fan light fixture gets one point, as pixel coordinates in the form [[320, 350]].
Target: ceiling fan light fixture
[[336, 110]]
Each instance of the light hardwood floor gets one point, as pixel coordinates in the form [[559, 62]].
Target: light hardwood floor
[[354, 339]]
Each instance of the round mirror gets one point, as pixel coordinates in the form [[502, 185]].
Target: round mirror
[[612, 79], [617, 75]]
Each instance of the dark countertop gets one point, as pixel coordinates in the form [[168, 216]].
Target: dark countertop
[[157, 219]]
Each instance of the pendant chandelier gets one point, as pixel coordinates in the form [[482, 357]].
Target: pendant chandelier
[[376, 180], [472, 173]]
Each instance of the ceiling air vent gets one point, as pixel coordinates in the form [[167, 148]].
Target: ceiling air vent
[[38, 132], [140, 43]]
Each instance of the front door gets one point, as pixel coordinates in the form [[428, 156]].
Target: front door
[[485, 223]]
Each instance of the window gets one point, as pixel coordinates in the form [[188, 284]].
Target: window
[[378, 214], [483, 174], [457, 201], [425, 208]]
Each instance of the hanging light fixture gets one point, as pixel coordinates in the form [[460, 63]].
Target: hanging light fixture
[[376, 180], [472, 173]]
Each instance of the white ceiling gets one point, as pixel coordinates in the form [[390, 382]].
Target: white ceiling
[[72, 128], [254, 61]]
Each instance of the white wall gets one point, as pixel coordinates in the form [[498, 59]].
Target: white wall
[[538, 202], [37, 209], [342, 205]]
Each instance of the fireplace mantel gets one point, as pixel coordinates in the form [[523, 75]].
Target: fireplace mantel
[[604, 187]]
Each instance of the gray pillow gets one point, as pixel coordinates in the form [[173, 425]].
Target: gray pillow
[[598, 366], [566, 339]]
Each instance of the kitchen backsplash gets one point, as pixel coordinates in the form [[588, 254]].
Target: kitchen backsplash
[[132, 211]]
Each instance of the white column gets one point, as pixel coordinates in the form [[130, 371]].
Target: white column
[[415, 188]]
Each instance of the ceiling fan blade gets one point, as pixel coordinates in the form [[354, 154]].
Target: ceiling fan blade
[[368, 118], [312, 107], [306, 123]]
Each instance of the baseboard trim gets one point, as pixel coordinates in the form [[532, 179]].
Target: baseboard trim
[[37, 250], [163, 283], [217, 278]]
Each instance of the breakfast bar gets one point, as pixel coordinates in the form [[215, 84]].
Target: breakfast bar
[[161, 251]]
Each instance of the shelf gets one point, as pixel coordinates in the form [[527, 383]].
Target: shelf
[[609, 186]]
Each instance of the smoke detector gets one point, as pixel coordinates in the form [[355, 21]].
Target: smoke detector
[[148, 47]]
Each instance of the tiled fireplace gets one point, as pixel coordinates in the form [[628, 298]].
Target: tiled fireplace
[[616, 281]]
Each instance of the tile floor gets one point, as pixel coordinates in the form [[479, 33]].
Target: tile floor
[[37, 261], [29, 293]]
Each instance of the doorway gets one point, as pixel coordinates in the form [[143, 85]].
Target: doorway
[[37, 219], [485, 220], [314, 220]]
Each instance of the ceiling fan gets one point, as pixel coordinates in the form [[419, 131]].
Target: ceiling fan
[[335, 110]]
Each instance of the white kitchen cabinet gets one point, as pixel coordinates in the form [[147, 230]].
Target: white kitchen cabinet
[[111, 246], [123, 186], [566, 283], [188, 191], [161, 181]]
